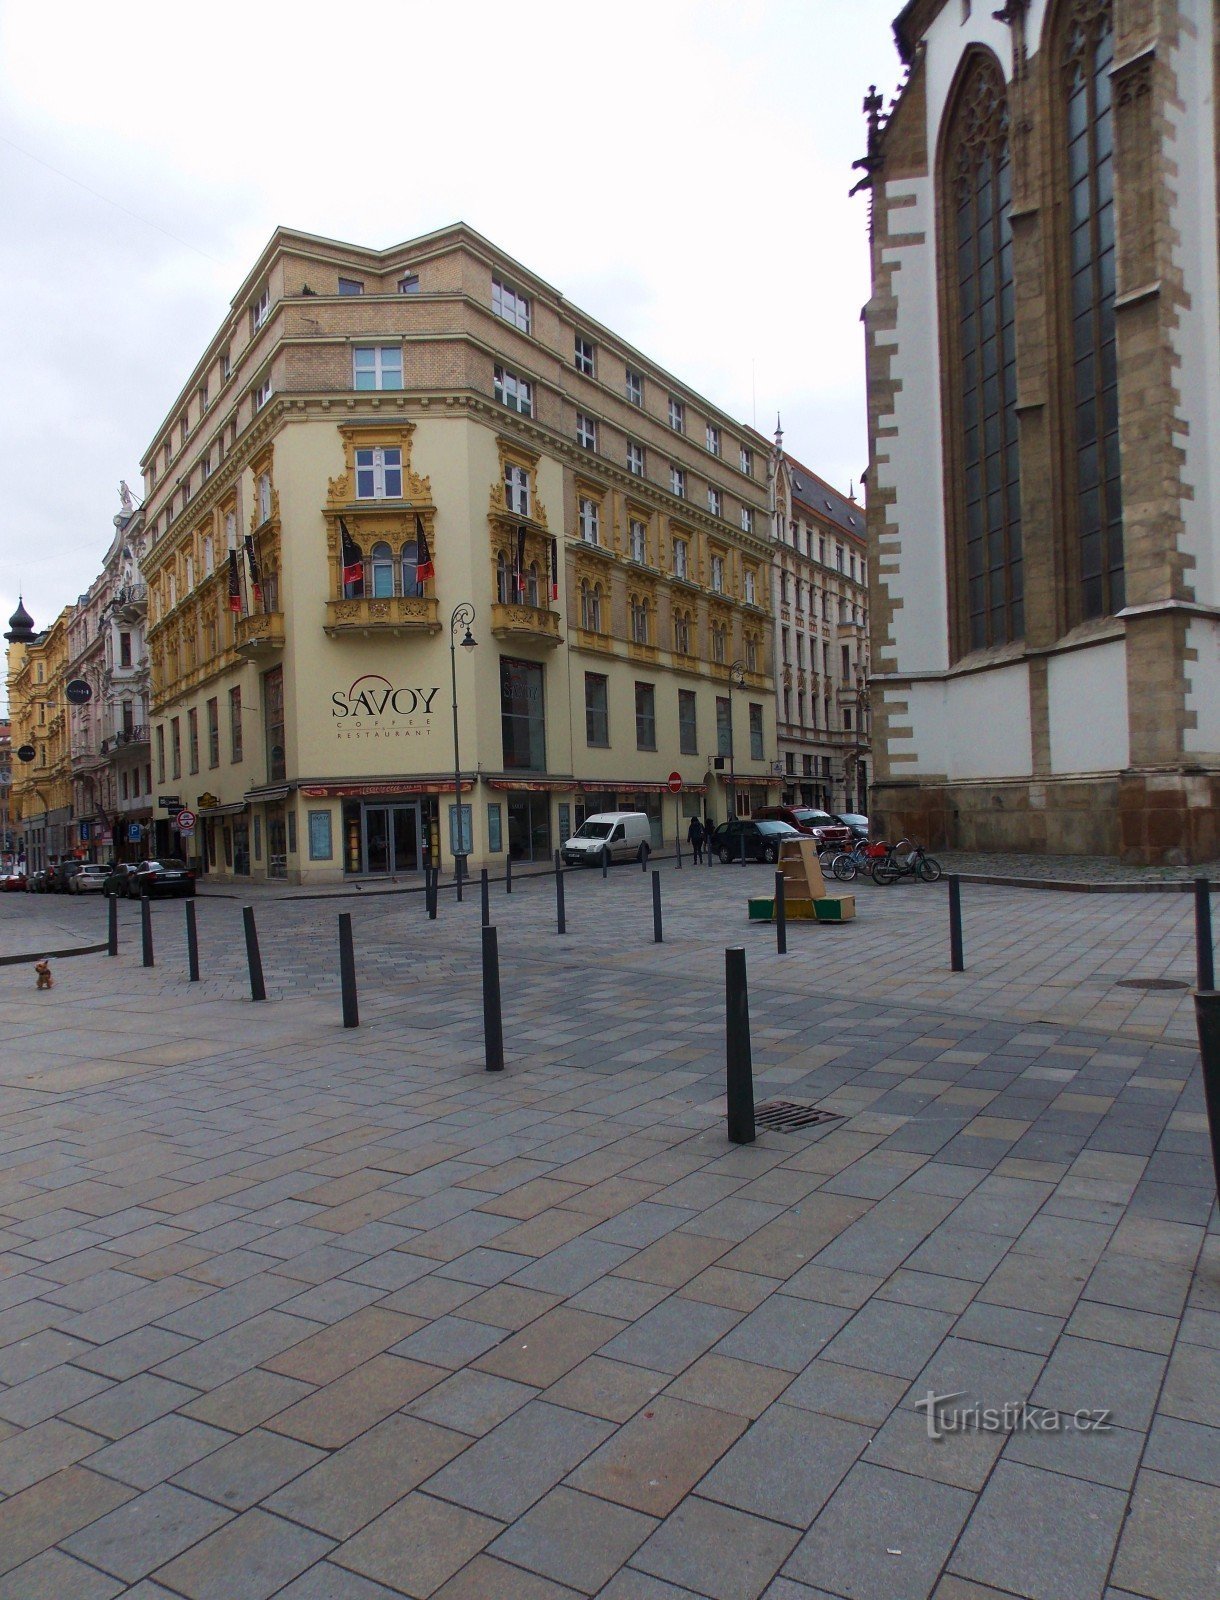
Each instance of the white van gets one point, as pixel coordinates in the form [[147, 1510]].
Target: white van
[[614, 835]]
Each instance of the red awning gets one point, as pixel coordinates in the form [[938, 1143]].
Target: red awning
[[358, 791]]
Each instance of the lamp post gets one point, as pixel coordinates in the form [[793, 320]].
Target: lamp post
[[737, 680], [463, 616]]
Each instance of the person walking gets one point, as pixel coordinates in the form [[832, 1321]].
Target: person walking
[[695, 835]]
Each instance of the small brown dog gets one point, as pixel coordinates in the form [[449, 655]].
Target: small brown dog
[[45, 980]]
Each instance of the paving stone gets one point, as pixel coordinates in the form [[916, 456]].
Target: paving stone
[[1086, 1373], [156, 1452], [784, 1332], [472, 1402], [1191, 1385], [787, 1466], [542, 1352], [1185, 1449], [245, 1401], [671, 1336], [331, 1416], [417, 1544], [334, 1350], [741, 1387], [235, 1351], [35, 1518], [56, 1576], [49, 1393], [1015, 1330], [659, 1455], [486, 1576], [248, 1470], [716, 1551], [848, 1392], [573, 1266], [133, 1353], [449, 1342], [574, 1539], [35, 1453], [137, 1538], [1170, 1544], [127, 1406], [254, 1556], [328, 1582], [1110, 1456], [543, 1442]]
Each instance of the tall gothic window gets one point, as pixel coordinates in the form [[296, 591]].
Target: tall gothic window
[[1088, 54], [977, 178]]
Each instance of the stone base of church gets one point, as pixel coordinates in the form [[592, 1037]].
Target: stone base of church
[[1140, 818]]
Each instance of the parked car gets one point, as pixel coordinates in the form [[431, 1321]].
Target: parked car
[[762, 838], [119, 880], [36, 882], [169, 875], [820, 825], [855, 821], [91, 879], [612, 835], [12, 881], [60, 876]]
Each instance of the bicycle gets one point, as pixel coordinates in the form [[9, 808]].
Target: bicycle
[[862, 857], [915, 863]]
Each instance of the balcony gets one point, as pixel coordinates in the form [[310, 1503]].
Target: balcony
[[533, 624], [260, 634], [373, 617], [136, 734]]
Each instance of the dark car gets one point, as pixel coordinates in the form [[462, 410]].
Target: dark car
[[169, 875], [762, 839], [856, 821], [118, 879], [36, 882], [819, 825], [60, 876]]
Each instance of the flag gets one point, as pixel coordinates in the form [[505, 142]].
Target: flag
[[554, 569], [520, 561], [423, 556], [234, 584], [353, 565], [256, 582]]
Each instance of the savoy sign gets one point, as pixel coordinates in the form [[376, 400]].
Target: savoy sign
[[375, 708]]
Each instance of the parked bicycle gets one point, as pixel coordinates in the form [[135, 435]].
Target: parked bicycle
[[907, 860], [861, 858]]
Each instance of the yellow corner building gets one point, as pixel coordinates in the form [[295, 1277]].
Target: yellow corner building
[[401, 477]]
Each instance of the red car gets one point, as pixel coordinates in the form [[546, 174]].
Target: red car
[[12, 881], [819, 825]]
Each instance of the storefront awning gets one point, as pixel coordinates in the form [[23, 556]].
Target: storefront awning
[[534, 785], [234, 809], [369, 791], [632, 786], [280, 792]]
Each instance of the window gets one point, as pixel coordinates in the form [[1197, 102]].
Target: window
[[504, 580], [192, 739], [719, 643], [213, 709], [264, 497], [226, 366], [986, 525], [846, 662], [751, 587], [261, 396], [645, 716], [531, 584], [522, 717], [591, 607], [639, 620], [713, 439], [175, 748], [205, 465], [847, 719], [377, 366], [350, 286], [321, 847], [123, 786], [681, 558], [752, 653], [516, 489], [160, 752], [756, 732], [639, 540], [677, 482], [510, 305], [379, 474], [235, 746], [1092, 401], [688, 737], [635, 458], [203, 398], [514, 392], [273, 721], [590, 520], [717, 574], [715, 501], [677, 415], [586, 431], [747, 520], [597, 710], [747, 461], [682, 633], [124, 649], [724, 725], [584, 356], [259, 310], [409, 283], [380, 580], [635, 387]]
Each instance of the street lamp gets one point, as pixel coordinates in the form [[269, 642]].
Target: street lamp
[[463, 616], [737, 680]]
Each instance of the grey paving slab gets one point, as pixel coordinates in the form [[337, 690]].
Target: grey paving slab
[[787, 1465], [716, 1551], [158, 1450], [256, 1555], [56, 1576], [146, 1533], [544, 1442], [249, 1469], [574, 1539]]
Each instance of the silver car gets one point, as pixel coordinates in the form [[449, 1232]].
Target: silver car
[[90, 879]]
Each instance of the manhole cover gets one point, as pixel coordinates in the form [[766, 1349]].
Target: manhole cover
[[1151, 983], [784, 1115]]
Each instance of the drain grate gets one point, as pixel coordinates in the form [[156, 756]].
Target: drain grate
[[1151, 983], [784, 1115]]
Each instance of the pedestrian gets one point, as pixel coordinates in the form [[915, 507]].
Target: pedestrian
[[695, 835]]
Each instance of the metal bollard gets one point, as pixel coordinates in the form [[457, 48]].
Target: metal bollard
[[1207, 1020], [459, 862], [656, 907], [192, 944], [678, 854], [1205, 966], [605, 865], [508, 874], [112, 925], [486, 908], [739, 1075], [254, 960], [146, 939], [644, 860], [781, 916], [560, 911], [493, 1022], [347, 972], [430, 891], [957, 960]]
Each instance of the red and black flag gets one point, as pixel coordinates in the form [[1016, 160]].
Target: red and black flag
[[424, 568], [234, 584], [256, 577], [353, 565], [554, 569], [520, 561]]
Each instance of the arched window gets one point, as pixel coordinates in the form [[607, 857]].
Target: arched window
[[751, 653], [591, 606], [682, 632], [503, 579], [531, 584], [1092, 390], [719, 639], [410, 569], [981, 388], [381, 571], [639, 620]]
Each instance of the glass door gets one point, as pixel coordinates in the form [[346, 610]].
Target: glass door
[[406, 838], [377, 838]]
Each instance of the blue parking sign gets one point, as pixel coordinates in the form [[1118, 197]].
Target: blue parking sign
[[133, 833], [85, 829]]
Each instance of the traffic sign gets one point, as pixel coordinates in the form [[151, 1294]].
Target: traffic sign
[[185, 821], [675, 783], [86, 831], [133, 832], [27, 752], [78, 692]]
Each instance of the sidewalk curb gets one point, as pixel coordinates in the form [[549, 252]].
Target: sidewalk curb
[[45, 955]]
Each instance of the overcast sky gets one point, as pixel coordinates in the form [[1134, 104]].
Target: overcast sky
[[679, 170]]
